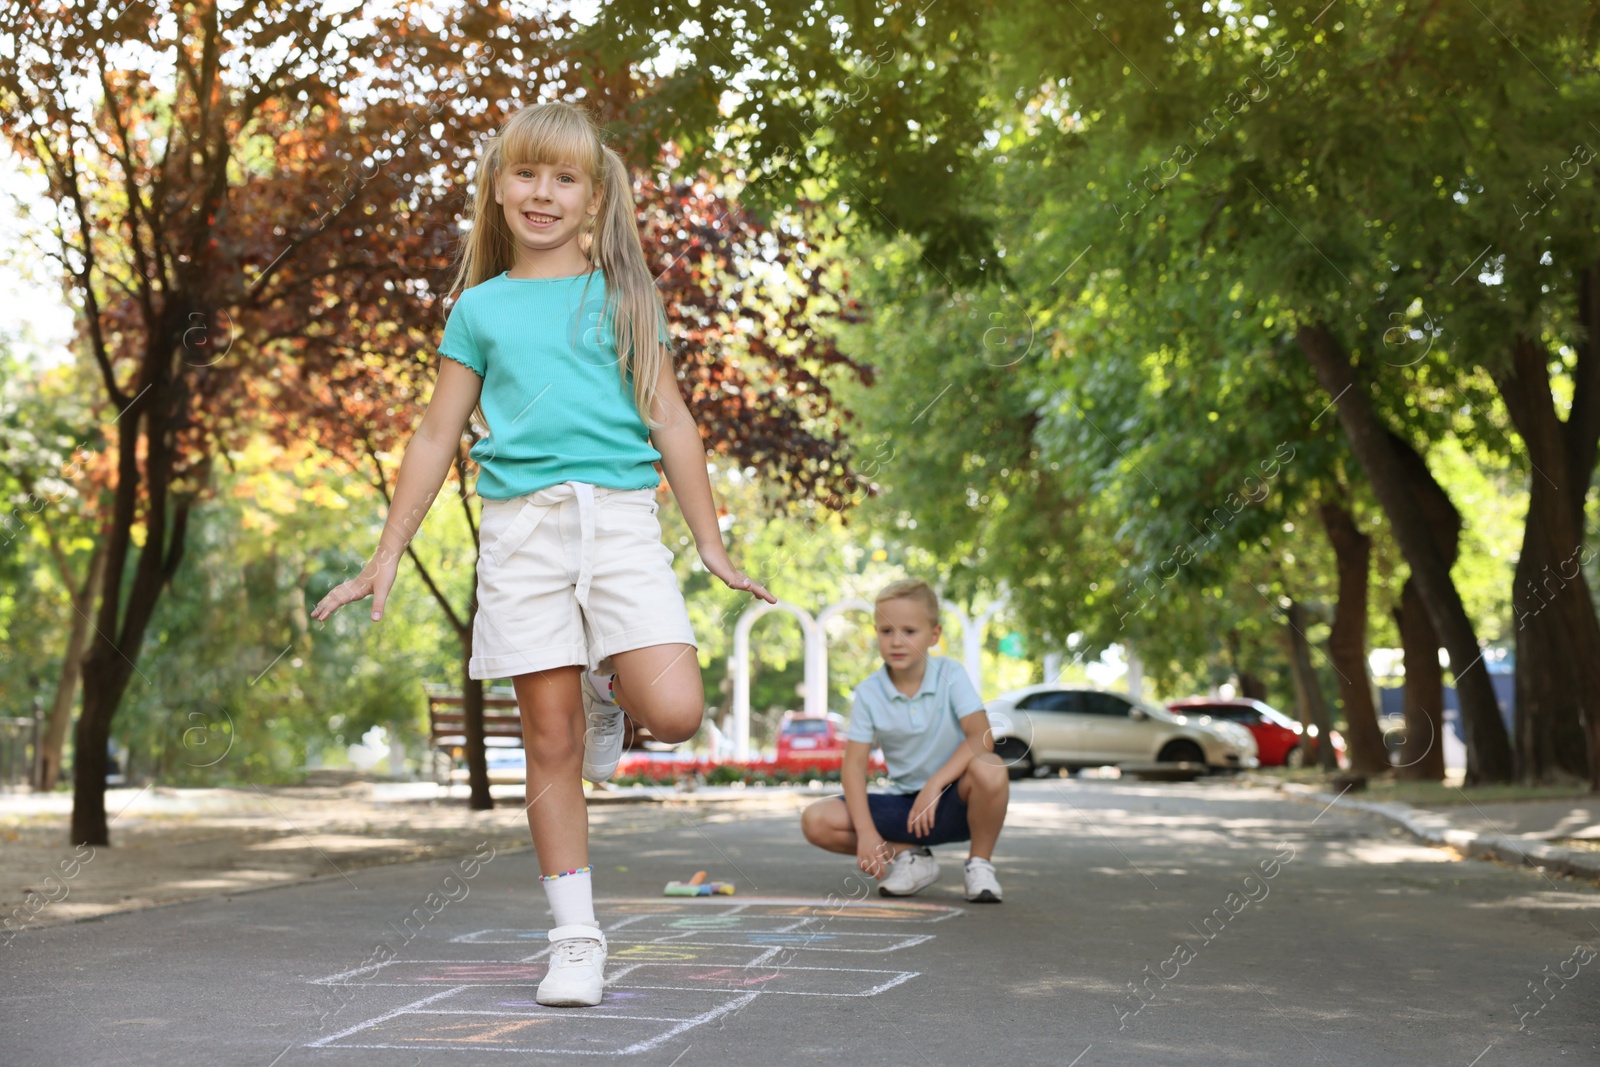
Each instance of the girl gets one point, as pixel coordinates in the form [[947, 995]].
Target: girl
[[558, 344]]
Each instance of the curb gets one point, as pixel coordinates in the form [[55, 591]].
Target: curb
[[705, 795], [1435, 828]]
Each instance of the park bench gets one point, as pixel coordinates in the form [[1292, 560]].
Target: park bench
[[502, 723], [447, 725]]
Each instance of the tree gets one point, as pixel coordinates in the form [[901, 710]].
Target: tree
[[1348, 642], [182, 232], [282, 214], [1251, 147]]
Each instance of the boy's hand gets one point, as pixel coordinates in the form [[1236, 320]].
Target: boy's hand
[[375, 580], [923, 809], [872, 855]]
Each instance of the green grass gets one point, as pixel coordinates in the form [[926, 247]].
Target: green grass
[[1427, 793]]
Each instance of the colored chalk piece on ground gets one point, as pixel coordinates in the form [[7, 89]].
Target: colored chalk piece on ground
[[698, 886]]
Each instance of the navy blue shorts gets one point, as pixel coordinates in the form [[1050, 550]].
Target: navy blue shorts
[[890, 812]]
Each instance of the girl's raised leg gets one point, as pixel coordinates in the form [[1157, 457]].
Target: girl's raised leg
[[659, 686]]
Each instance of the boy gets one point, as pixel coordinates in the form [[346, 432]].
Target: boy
[[948, 783]]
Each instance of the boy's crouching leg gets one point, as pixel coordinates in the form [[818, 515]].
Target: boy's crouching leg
[[986, 790], [986, 777], [826, 824]]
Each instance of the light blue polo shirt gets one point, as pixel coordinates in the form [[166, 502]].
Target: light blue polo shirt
[[918, 734], [557, 408]]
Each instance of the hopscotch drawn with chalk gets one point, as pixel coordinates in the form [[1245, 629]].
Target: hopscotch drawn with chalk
[[675, 965]]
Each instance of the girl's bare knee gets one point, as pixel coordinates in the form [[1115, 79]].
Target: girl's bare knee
[[676, 726], [553, 751], [671, 720]]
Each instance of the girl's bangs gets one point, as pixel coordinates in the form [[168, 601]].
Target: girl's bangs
[[549, 138]]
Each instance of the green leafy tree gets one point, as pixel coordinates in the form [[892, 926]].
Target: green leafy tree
[[1396, 187]]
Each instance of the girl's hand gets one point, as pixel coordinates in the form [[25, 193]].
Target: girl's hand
[[374, 580], [721, 566]]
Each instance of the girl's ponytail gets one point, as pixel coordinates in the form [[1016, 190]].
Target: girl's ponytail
[[633, 307], [488, 248]]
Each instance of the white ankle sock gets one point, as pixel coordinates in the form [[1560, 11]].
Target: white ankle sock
[[602, 686], [571, 897]]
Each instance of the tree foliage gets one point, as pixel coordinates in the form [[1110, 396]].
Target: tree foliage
[[1407, 183], [256, 207]]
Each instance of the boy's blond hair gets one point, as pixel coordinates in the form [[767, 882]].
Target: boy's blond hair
[[912, 589]]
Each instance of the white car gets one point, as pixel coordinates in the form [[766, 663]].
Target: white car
[[1047, 726]]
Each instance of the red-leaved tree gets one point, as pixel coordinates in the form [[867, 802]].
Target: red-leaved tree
[[257, 208]]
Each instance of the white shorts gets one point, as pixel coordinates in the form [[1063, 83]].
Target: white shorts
[[570, 575]]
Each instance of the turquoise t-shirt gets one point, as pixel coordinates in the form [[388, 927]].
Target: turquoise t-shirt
[[557, 409]]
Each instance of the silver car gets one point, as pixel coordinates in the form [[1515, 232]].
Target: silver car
[[1048, 726]]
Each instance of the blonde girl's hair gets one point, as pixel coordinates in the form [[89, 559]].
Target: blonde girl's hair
[[912, 589], [555, 133]]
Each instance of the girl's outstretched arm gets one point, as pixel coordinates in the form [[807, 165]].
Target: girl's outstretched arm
[[428, 458], [683, 457]]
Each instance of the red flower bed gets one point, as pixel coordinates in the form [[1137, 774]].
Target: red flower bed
[[654, 769]]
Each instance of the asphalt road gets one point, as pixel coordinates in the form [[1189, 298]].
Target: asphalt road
[[1143, 924]]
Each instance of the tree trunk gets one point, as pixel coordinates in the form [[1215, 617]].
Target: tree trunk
[[47, 761], [1399, 484], [479, 798], [1313, 707], [110, 662], [1347, 642], [1558, 635], [1251, 687], [102, 692], [1422, 754], [1557, 671]]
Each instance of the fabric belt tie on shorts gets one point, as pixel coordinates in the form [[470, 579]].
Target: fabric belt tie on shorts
[[533, 512]]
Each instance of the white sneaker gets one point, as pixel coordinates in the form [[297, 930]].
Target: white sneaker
[[982, 886], [602, 733], [577, 968], [912, 871]]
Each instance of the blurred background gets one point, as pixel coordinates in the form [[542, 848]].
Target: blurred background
[[1235, 350]]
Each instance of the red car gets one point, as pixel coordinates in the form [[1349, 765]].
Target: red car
[[811, 738], [1280, 741]]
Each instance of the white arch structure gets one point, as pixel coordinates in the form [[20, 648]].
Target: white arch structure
[[972, 636], [739, 666], [814, 634], [817, 680]]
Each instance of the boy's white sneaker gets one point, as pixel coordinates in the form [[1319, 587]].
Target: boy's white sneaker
[[912, 871], [602, 733], [982, 886], [577, 968]]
